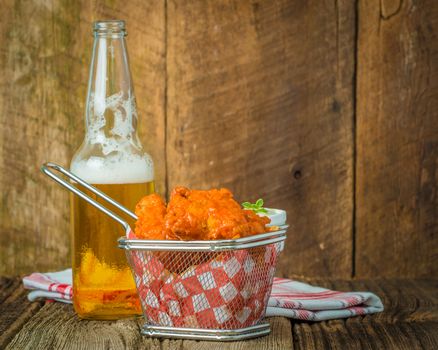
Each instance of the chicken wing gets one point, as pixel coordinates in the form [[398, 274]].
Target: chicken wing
[[196, 215], [150, 211]]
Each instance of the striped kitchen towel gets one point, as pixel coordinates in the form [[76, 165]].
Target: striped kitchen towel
[[302, 301], [288, 298], [51, 285]]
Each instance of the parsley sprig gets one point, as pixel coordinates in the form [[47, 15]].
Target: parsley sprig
[[257, 207]]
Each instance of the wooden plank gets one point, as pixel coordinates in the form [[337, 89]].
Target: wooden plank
[[260, 101], [45, 49], [397, 139], [16, 310], [280, 338], [410, 319], [56, 326]]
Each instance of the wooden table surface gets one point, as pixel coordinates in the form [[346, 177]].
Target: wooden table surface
[[410, 321]]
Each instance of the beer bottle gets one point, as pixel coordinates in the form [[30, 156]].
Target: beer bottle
[[111, 158]]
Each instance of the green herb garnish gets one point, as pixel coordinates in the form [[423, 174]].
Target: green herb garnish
[[256, 207]]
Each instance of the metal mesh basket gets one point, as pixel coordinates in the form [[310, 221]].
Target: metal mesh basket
[[205, 289], [216, 290]]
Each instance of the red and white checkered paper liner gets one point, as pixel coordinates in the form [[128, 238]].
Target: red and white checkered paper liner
[[229, 291]]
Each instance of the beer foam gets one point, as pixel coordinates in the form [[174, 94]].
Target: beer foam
[[118, 164], [121, 169]]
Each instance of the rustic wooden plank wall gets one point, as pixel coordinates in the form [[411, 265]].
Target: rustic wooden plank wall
[[260, 101], [397, 139], [325, 108]]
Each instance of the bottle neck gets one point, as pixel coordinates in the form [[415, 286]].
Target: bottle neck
[[111, 152], [111, 115]]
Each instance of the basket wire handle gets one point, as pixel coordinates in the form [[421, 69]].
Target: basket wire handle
[[46, 169]]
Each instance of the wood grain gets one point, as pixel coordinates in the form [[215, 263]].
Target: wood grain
[[56, 326], [397, 139], [410, 319], [15, 309], [260, 101], [279, 338], [45, 49]]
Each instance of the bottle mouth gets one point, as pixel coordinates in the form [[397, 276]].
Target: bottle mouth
[[109, 28]]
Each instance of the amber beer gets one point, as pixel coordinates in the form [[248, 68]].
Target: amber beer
[[103, 284]]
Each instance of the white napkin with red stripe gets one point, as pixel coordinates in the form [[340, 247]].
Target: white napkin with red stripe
[[51, 285], [302, 301], [288, 298]]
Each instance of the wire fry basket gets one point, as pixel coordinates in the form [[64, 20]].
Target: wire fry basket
[[215, 290], [211, 290]]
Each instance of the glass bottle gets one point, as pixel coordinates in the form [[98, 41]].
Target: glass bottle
[[111, 158]]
